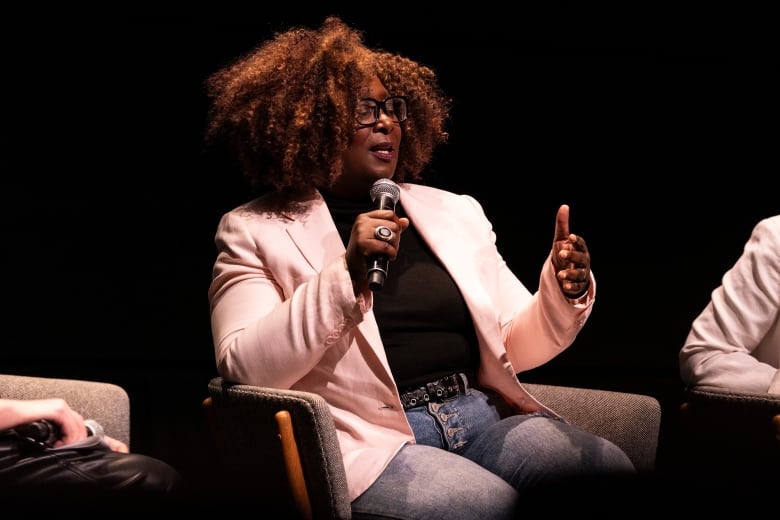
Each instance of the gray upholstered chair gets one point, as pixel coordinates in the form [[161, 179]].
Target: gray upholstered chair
[[106, 403], [279, 447]]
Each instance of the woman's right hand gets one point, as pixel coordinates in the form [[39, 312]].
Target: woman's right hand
[[363, 244]]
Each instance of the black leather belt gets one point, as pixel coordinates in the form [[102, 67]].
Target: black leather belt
[[435, 391]]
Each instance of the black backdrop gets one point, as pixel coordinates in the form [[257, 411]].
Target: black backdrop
[[655, 127]]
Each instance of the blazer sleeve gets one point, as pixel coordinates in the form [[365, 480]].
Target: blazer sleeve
[[720, 346], [274, 316], [535, 327]]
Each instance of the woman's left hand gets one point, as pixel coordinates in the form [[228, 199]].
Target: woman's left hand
[[570, 257]]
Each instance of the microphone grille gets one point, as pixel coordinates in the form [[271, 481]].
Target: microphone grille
[[385, 187]]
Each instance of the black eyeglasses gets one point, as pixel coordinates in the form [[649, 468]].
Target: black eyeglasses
[[368, 110]]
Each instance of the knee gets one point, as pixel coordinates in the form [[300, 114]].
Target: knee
[[148, 476]]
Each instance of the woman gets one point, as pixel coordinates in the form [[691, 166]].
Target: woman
[[420, 374]]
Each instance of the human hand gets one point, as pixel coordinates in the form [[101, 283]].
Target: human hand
[[363, 243], [69, 423], [116, 444], [570, 257]]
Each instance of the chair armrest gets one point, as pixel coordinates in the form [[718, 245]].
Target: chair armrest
[[721, 413], [632, 421], [106, 403], [767, 404], [249, 445]]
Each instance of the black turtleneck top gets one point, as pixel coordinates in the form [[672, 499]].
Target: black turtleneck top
[[425, 325]]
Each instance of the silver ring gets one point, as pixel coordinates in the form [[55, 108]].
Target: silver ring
[[383, 233]]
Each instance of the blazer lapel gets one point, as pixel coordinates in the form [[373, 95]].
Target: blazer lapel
[[315, 235], [438, 224]]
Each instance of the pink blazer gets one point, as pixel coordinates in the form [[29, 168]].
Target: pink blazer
[[283, 314]]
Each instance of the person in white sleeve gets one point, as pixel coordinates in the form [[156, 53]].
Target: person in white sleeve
[[734, 343]]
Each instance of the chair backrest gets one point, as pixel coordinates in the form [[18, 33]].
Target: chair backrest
[[254, 438]]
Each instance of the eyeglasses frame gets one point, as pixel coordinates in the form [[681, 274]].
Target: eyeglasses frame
[[382, 105]]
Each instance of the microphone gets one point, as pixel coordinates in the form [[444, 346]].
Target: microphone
[[384, 194], [43, 432]]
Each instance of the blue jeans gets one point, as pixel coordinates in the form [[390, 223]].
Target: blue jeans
[[470, 463]]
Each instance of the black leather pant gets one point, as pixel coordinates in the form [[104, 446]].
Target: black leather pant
[[36, 477]]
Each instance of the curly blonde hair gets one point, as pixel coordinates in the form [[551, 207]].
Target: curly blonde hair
[[287, 108]]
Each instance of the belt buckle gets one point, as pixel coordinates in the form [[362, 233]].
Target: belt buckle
[[442, 388], [445, 387]]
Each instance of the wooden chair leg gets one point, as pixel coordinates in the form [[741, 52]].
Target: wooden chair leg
[[292, 463], [211, 420]]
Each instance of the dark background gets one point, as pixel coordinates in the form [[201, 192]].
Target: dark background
[[657, 127]]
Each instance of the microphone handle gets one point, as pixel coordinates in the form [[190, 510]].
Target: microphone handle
[[46, 432], [377, 272], [384, 194], [378, 265], [42, 431]]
